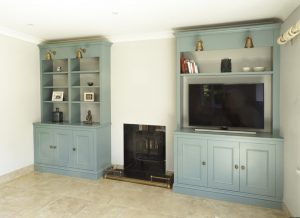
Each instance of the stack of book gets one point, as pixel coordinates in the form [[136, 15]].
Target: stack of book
[[188, 66]]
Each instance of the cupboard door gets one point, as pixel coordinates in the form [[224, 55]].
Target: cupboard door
[[44, 143], [192, 161], [63, 140], [84, 150], [257, 173], [223, 165]]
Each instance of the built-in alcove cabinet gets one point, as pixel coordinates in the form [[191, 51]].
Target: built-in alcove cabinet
[[245, 168], [74, 147]]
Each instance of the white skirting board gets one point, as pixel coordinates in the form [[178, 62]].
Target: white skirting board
[[15, 174]]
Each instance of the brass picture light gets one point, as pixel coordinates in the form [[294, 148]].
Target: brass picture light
[[79, 52], [50, 54], [199, 45], [249, 42]]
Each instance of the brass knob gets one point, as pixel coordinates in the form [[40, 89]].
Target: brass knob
[[203, 163], [236, 166], [243, 167]]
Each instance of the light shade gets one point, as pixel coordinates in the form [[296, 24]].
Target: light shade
[[199, 45], [79, 53], [249, 42], [50, 54]]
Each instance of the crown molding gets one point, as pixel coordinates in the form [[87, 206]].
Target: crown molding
[[140, 37], [18, 35]]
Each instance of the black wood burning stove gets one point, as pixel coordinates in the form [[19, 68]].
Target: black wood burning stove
[[144, 151]]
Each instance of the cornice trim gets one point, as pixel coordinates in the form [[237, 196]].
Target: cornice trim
[[18, 35]]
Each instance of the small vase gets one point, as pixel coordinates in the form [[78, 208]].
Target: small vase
[[226, 65], [57, 116]]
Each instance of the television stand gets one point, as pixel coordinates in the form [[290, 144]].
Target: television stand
[[225, 131], [221, 164]]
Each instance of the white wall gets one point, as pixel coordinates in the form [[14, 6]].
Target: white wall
[[19, 89], [290, 115], [143, 90]]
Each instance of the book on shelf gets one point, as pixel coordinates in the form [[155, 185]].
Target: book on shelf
[[188, 66]]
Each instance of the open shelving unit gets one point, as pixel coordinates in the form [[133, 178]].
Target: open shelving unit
[[210, 61], [230, 44], [72, 76], [83, 71], [52, 80]]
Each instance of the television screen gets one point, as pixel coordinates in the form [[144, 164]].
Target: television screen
[[226, 105]]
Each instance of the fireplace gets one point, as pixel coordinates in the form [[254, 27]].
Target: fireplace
[[144, 151]]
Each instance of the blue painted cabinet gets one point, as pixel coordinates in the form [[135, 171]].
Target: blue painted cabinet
[[83, 150], [74, 147], [53, 146], [243, 168], [192, 161], [257, 168], [223, 164], [240, 168], [63, 138], [44, 151], [71, 150]]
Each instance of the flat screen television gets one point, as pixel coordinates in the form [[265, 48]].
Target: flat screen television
[[237, 106]]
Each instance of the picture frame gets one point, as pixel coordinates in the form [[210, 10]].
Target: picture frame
[[57, 96], [88, 96]]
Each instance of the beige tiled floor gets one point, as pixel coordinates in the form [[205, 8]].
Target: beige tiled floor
[[49, 195]]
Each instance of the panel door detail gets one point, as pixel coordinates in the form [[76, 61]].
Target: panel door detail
[[223, 165], [44, 143], [192, 161], [63, 140], [257, 173], [83, 150]]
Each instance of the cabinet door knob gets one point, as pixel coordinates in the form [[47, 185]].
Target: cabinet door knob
[[74, 149], [203, 163], [50, 146], [54, 147], [236, 166], [243, 167]]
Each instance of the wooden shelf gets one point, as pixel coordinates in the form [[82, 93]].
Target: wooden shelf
[[227, 74], [56, 73], [86, 72], [78, 87], [86, 102], [60, 102], [55, 87]]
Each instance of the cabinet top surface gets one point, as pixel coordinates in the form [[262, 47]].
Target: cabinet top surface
[[259, 135], [65, 124]]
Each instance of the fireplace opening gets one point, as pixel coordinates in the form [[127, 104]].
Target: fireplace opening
[[144, 157], [144, 151]]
